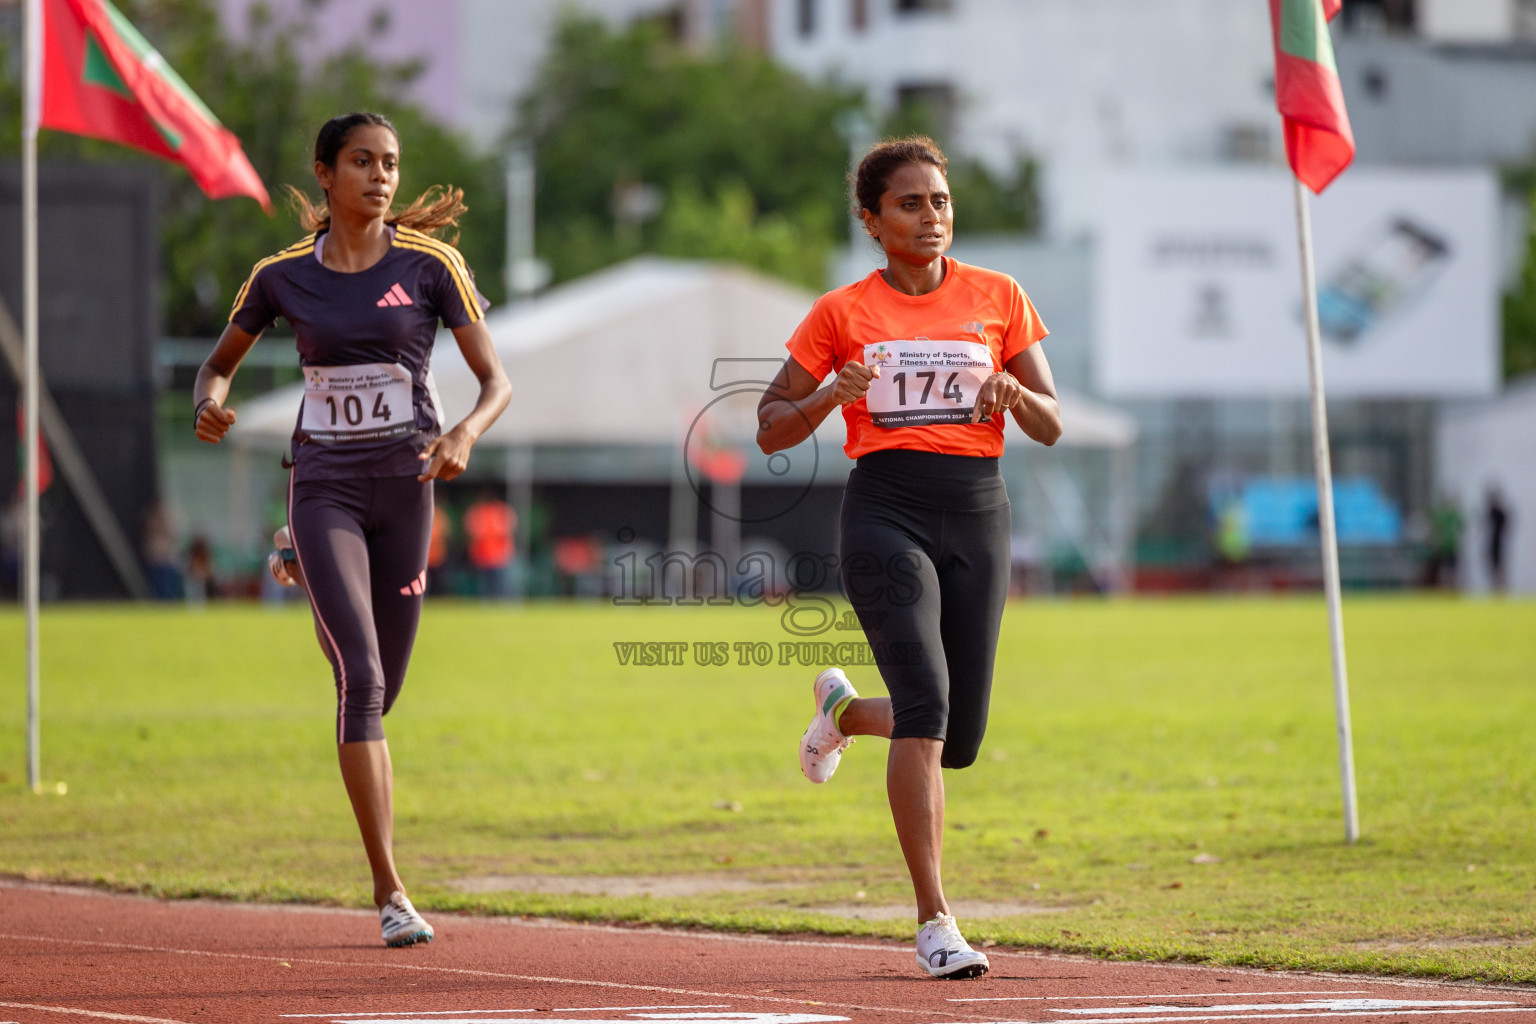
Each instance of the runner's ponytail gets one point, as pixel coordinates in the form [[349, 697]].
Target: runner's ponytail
[[437, 208]]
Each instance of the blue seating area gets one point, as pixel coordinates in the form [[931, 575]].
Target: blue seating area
[[1282, 512]]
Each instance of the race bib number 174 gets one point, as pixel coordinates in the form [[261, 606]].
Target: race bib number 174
[[923, 382]]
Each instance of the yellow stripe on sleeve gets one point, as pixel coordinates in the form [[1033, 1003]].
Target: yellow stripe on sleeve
[[301, 248], [456, 268], [455, 260]]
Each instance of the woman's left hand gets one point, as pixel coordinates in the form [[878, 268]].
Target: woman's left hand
[[999, 392], [447, 455]]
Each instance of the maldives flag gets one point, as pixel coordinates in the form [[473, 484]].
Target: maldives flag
[[1318, 141], [101, 78]]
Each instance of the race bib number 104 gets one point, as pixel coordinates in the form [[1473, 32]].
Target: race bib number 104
[[366, 402], [923, 382]]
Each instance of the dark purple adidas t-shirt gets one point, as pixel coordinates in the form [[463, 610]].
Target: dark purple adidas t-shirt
[[386, 314]]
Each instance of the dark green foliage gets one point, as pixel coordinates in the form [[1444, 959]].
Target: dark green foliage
[[1520, 310], [985, 203], [275, 105], [745, 156]]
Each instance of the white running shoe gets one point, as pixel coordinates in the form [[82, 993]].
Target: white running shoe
[[401, 925], [278, 561], [944, 953], [822, 746]]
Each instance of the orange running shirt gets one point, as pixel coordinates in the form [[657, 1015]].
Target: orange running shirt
[[933, 350]]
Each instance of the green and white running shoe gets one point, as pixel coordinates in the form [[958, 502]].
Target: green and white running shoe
[[401, 925], [944, 953], [822, 746], [282, 562]]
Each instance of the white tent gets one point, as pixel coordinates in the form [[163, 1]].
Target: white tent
[[658, 355], [633, 355]]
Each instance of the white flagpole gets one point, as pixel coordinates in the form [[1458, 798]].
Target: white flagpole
[[1325, 523], [31, 566]]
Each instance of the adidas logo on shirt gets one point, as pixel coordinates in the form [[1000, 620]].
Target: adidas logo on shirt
[[395, 297]]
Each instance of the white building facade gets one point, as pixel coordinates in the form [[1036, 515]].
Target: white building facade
[[1081, 85], [1477, 21]]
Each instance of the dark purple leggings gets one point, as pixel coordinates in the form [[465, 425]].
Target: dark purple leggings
[[362, 547]]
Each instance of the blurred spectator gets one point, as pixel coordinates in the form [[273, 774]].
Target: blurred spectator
[[160, 553], [1445, 526], [1232, 542], [437, 550], [1029, 572], [199, 572], [580, 559], [1497, 518], [488, 525]]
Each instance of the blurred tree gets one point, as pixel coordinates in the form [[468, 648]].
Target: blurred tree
[[644, 146], [985, 203], [990, 204], [1520, 307], [275, 102], [728, 226]]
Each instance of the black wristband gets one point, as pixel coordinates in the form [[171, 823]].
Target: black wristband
[[198, 410]]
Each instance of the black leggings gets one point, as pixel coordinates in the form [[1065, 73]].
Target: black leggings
[[925, 561], [362, 547]]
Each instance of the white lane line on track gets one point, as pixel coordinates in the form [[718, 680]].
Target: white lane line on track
[[594, 1009], [567, 1009], [1281, 1016], [1079, 959], [391, 1013], [534, 978], [873, 946], [99, 1014], [758, 1018], [1170, 995], [1339, 1005]]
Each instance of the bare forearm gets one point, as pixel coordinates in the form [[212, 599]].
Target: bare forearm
[[212, 384], [218, 370], [1039, 416], [783, 423], [495, 393]]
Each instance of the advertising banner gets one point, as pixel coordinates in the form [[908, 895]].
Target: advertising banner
[[1199, 289]]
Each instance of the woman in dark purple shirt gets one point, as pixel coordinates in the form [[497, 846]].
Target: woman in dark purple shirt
[[364, 293]]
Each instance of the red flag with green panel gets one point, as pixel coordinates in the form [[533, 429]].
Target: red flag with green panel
[[1318, 140], [101, 78]]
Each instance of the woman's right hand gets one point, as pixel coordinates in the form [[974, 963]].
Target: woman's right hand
[[213, 422], [853, 382]]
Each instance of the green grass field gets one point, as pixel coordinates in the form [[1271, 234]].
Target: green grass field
[[1127, 740]]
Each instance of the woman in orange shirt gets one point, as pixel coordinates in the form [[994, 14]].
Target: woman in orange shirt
[[929, 354]]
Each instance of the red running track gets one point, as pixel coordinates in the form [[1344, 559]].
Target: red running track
[[78, 955]]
